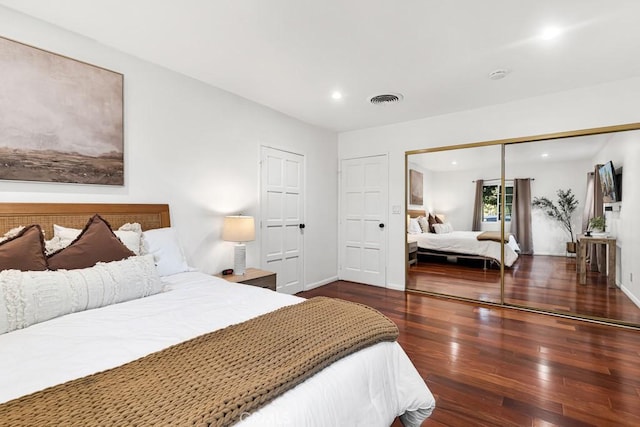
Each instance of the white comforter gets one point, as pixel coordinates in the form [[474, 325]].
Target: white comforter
[[368, 388], [466, 242]]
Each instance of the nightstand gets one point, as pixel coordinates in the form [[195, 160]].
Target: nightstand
[[412, 249], [254, 277]]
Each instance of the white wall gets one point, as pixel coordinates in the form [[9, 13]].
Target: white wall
[[456, 192], [197, 148], [602, 105], [549, 236]]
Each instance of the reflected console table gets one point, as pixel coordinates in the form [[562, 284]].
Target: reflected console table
[[581, 265]]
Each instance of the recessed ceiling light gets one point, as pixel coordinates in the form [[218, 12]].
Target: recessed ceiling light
[[454, 162], [336, 95], [550, 33], [544, 155]]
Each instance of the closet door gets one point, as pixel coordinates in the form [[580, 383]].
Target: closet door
[[282, 206], [363, 217]]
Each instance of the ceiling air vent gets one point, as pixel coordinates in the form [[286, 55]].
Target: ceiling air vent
[[387, 98]]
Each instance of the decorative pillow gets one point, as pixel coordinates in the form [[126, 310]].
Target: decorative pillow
[[31, 297], [96, 243], [130, 234], [55, 244], [24, 251], [163, 244], [443, 228], [432, 222], [414, 226], [424, 224], [11, 233], [438, 219]]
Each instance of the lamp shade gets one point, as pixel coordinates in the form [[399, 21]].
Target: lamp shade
[[238, 228]]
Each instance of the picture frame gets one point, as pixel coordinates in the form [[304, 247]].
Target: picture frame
[[416, 190], [62, 119]]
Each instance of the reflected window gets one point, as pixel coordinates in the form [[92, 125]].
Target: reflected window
[[491, 199]]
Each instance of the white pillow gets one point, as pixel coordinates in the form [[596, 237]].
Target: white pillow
[[29, 297], [129, 234], [11, 233], [163, 244], [443, 228], [424, 224], [414, 226]]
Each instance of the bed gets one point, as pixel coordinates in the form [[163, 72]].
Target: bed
[[369, 387], [465, 244]]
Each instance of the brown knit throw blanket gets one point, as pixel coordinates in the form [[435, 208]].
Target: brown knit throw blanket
[[214, 379]]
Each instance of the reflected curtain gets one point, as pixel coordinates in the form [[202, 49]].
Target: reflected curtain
[[477, 207], [521, 215], [593, 206]]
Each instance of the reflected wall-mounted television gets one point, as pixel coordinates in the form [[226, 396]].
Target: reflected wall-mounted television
[[610, 183]]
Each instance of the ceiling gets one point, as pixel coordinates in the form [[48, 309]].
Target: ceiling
[[291, 55]]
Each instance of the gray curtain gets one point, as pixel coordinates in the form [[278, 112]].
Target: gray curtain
[[521, 215], [596, 254], [477, 207]]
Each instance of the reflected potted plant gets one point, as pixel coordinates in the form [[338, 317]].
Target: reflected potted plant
[[597, 224], [561, 212]]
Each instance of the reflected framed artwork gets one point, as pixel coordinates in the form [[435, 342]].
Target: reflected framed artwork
[[416, 194], [62, 119]]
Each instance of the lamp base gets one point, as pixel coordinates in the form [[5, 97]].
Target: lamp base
[[239, 259]]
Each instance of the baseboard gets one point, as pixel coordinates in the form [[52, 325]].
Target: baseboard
[[395, 286], [632, 297], [554, 254], [310, 286]]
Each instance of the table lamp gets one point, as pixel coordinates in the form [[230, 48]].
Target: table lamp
[[239, 229]]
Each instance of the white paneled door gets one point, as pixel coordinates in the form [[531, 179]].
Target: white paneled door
[[363, 236], [282, 213]]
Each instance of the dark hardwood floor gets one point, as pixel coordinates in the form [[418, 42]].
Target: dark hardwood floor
[[490, 366], [541, 282]]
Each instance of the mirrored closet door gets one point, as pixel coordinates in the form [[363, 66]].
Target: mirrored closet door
[[566, 191], [545, 197], [453, 195]]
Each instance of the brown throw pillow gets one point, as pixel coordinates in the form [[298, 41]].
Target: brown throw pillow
[[24, 251], [438, 220], [432, 220], [96, 243]]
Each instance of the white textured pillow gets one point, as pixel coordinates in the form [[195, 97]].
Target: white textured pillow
[[443, 228], [163, 244], [129, 234], [29, 297], [424, 224], [11, 233], [414, 226]]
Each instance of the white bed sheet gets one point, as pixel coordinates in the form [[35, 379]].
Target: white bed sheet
[[368, 388], [466, 242]]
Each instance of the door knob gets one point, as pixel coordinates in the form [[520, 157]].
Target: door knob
[[381, 225], [301, 226]]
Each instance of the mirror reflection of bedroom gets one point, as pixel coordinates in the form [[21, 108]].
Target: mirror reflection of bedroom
[[554, 192], [442, 236]]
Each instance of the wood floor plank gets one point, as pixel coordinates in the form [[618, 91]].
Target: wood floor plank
[[492, 366], [540, 282]]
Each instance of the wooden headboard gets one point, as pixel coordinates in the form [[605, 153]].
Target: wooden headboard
[[414, 213], [76, 215]]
